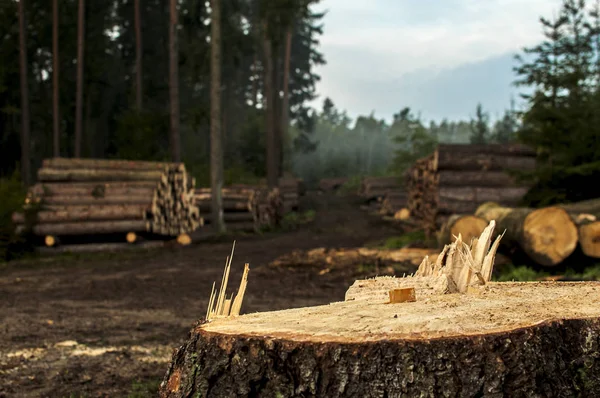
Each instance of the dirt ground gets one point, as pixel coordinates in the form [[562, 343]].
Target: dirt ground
[[105, 325]]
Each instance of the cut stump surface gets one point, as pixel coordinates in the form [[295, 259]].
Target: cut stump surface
[[506, 339]]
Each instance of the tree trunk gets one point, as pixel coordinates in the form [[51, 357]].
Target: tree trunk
[[79, 90], [270, 127], [548, 235], [175, 141], [285, 105], [55, 82], [485, 343], [138, 55], [25, 134], [216, 136], [468, 226]]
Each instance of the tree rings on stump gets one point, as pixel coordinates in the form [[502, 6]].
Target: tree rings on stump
[[512, 340]]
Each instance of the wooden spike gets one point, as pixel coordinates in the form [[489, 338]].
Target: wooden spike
[[237, 303], [210, 301], [222, 289]]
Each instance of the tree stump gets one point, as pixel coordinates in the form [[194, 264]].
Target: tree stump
[[507, 339]]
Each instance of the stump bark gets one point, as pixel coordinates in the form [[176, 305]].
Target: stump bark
[[508, 340]]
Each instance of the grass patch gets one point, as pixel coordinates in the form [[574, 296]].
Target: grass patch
[[398, 242], [351, 185], [294, 219], [519, 274], [143, 389]]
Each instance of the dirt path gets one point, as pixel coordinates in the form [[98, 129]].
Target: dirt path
[[101, 325]]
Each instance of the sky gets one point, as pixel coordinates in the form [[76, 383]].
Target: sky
[[438, 57]]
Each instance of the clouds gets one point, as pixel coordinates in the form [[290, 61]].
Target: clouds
[[386, 46]]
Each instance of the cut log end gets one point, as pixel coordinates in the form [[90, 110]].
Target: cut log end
[[550, 235], [49, 240], [131, 237], [184, 239], [589, 239], [402, 214]]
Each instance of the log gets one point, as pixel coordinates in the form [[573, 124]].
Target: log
[[507, 340], [228, 205], [468, 226], [110, 164], [483, 162], [87, 228], [449, 206], [589, 237], [453, 178], [331, 184], [490, 149], [548, 235], [504, 195], [86, 213], [96, 190], [81, 175], [591, 206], [85, 200]]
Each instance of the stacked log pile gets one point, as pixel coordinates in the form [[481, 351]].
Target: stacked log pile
[[245, 207], [375, 188], [456, 179], [93, 197], [331, 184], [548, 236], [394, 202], [291, 189]]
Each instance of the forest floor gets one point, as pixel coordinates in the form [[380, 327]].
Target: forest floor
[[105, 325]]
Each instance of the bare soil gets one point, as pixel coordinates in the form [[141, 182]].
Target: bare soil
[[105, 325]]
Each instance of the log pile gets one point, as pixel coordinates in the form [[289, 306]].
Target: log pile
[[456, 179], [375, 188], [444, 338], [92, 197], [394, 202], [245, 207], [548, 236], [331, 184], [291, 189]]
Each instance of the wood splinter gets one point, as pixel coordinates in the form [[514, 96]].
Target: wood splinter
[[218, 304]]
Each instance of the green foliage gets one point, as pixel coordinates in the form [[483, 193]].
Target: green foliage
[[398, 242], [480, 126], [142, 136], [142, 389], [294, 219], [13, 197], [519, 274], [562, 121], [412, 139], [351, 186]]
